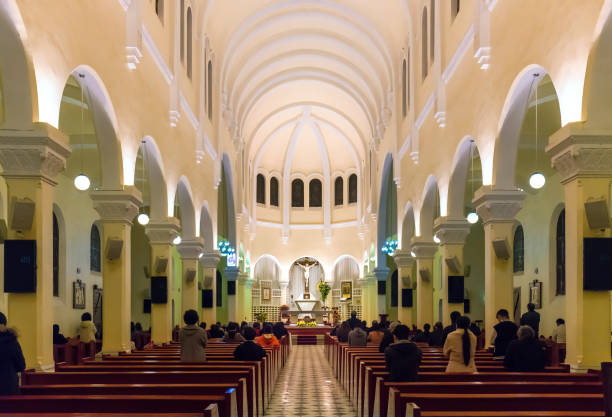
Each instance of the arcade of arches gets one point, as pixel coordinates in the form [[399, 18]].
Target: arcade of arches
[[394, 144]]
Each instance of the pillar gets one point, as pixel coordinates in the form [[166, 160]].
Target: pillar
[[161, 233], [380, 306], [424, 250], [31, 160], [190, 251], [497, 208], [243, 297], [117, 210], [582, 159], [209, 262], [231, 274], [369, 298], [404, 262], [452, 233]]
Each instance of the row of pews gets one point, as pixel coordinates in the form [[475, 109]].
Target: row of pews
[[152, 383], [491, 392]]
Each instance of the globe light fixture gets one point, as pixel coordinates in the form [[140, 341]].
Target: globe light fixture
[[81, 182], [412, 254], [143, 219], [436, 239], [472, 217], [177, 240], [537, 180]]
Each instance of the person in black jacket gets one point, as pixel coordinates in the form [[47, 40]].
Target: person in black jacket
[[354, 321], [527, 354], [454, 316], [249, 350], [504, 332], [387, 337], [423, 336], [11, 359], [279, 330], [343, 332], [532, 319], [403, 357], [436, 338], [58, 338]]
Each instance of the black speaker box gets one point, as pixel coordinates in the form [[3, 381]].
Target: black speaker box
[[159, 290], [20, 266], [207, 298]]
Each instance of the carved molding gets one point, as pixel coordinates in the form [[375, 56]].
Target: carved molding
[[210, 259], [119, 206], [451, 231], [231, 273], [191, 249], [381, 273], [403, 259], [40, 152], [163, 231], [498, 205], [423, 248]]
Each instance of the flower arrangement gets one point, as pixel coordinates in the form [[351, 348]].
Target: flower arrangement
[[261, 317], [324, 289], [311, 324], [302, 323]]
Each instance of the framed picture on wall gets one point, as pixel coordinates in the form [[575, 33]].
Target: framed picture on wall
[[347, 290], [78, 295], [535, 293], [266, 294]]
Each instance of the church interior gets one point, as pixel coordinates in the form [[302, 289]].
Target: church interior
[[302, 164]]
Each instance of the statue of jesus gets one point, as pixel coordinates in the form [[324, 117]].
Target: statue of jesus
[[306, 265]]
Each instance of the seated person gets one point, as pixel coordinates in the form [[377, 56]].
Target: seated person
[[460, 348], [387, 337], [279, 330], [11, 359], [232, 335], [403, 357], [87, 330], [527, 354], [58, 338], [249, 350], [267, 338], [257, 328], [376, 334], [343, 332], [192, 338], [215, 332], [139, 338], [454, 316], [423, 336], [504, 332], [358, 336], [558, 335], [437, 336]]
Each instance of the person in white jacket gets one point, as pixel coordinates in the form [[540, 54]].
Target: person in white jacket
[[558, 335]]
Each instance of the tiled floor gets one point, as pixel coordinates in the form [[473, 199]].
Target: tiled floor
[[306, 387]]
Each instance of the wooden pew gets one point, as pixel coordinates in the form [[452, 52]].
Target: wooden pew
[[210, 411]]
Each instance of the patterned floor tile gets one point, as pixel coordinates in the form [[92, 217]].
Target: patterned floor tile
[[306, 387]]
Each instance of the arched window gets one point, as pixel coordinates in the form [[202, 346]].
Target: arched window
[[189, 43], [261, 189], [159, 9], [518, 250], [210, 95], [315, 193], [560, 240], [274, 192], [424, 44], [56, 249], [297, 193], [432, 30], [404, 88], [95, 264], [339, 191], [455, 7], [182, 27], [352, 189]]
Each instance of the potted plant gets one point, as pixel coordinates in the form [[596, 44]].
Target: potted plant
[[324, 288]]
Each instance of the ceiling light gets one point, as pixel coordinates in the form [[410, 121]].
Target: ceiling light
[[472, 217], [537, 180], [436, 239], [143, 219], [81, 182], [177, 240], [412, 254]]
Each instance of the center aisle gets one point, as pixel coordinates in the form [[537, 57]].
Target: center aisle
[[307, 388]]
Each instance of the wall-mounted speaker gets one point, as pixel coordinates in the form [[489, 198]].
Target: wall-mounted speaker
[[453, 264], [501, 249], [208, 282], [146, 306], [3, 230], [597, 214], [200, 287], [190, 275], [231, 287], [406, 282], [406, 297], [424, 273], [114, 246], [161, 263], [22, 214], [382, 287], [207, 298], [159, 290]]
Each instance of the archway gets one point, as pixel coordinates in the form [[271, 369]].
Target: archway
[[387, 211]]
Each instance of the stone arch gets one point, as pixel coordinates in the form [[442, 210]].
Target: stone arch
[[408, 226], [185, 201], [429, 207], [229, 209], [206, 228], [383, 207], [154, 169], [461, 166]]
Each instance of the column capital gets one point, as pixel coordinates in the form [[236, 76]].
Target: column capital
[[403, 259], [191, 249], [243, 278], [451, 231], [38, 153], [369, 278], [231, 273], [381, 273], [210, 259], [579, 152], [117, 206], [163, 231], [423, 248], [495, 205]]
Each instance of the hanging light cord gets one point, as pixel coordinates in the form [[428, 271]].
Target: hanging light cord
[[536, 130], [82, 123]]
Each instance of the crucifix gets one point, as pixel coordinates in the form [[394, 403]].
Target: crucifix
[[306, 264]]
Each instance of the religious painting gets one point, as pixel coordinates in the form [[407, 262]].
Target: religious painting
[[347, 289], [535, 293], [78, 295], [266, 294]]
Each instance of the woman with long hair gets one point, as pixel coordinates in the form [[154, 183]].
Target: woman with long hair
[[460, 348]]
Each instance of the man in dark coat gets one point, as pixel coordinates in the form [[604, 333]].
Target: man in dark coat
[[532, 319], [527, 354], [249, 350], [354, 321], [11, 359], [403, 357], [504, 332]]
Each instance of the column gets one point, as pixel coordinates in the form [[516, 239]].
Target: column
[[452, 234], [380, 306], [30, 161], [497, 208], [582, 159], [404, 262], [190, 251], [369, 298], [209, 262], [243, 297], [161, 233], [117, 209], [231, 274], [424, 250]]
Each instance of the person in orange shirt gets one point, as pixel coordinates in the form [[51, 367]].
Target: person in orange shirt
[[267, 338]]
